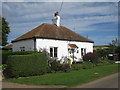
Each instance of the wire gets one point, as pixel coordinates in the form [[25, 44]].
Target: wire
[[61, 6]]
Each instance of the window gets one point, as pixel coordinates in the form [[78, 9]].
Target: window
[[77, 51], [53, 52], [83, 51], [22, 48]]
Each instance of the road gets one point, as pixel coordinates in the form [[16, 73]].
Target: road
[[105, 82]]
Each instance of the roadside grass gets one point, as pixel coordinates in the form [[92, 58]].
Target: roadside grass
[[72, 78]]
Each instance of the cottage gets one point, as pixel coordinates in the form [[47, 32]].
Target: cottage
[[8, 47], [58, 41]]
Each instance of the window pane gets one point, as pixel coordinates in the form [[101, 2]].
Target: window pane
[[81, 51], [84, 51], [23, 48], [55, 52], [51, 52]]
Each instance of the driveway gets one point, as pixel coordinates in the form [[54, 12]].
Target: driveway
[[105, 82]]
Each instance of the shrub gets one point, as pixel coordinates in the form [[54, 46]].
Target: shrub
[[55, 65], [4, 66], [84, 65], [65, 68], [23, 52], [87, 65], [101, 53], [106, 61], [92, 57], [26, 65], [76, 66], [5, 54]]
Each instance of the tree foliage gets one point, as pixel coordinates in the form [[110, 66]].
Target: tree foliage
[[114, 45], [115, 48], [5, 31]]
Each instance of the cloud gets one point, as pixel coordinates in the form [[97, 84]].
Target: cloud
[[86, 24], [84, 17]]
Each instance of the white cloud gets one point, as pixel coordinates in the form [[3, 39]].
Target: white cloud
[[83, 24]]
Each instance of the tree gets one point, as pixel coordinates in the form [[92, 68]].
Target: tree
[[114, 46], [5, 31], [114, 42]]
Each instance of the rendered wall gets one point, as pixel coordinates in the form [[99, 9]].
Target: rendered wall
[[63, 46], [28, 44]]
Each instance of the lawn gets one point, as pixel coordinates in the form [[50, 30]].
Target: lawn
[[70, 78]]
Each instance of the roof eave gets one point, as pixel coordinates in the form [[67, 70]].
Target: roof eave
[[51, 38]]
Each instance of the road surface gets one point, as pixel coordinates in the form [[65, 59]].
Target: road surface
[[105, 82]]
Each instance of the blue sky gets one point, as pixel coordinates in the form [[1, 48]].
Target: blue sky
[[96, 20]]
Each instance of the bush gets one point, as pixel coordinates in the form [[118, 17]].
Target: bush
[[55, 65], [76, 66], [106, 61], [91, 57], [26, 65], [4, 66], [5, 54], [84, 65], [102, 53]]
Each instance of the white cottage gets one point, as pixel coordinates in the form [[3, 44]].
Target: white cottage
[[59, 41]]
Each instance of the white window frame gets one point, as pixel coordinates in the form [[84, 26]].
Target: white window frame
[[83, 52], [53, 52]]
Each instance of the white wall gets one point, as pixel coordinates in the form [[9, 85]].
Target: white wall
[[47, 43], [28, 44], [63, 46]]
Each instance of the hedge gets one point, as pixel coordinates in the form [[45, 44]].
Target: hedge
[[5, 54], [26, 65]]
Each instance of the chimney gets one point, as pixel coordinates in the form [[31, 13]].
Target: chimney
[[56, 19]]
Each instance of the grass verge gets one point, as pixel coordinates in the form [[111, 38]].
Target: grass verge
[[69, 79]]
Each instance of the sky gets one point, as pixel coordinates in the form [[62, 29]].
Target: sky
[[96, 20]]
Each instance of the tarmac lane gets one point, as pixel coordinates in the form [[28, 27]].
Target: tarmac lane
[[110, 81]]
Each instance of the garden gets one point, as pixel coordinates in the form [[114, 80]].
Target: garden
[[29, 67]]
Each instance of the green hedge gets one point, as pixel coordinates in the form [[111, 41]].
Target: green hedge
[[5, 54], [26, 65]]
